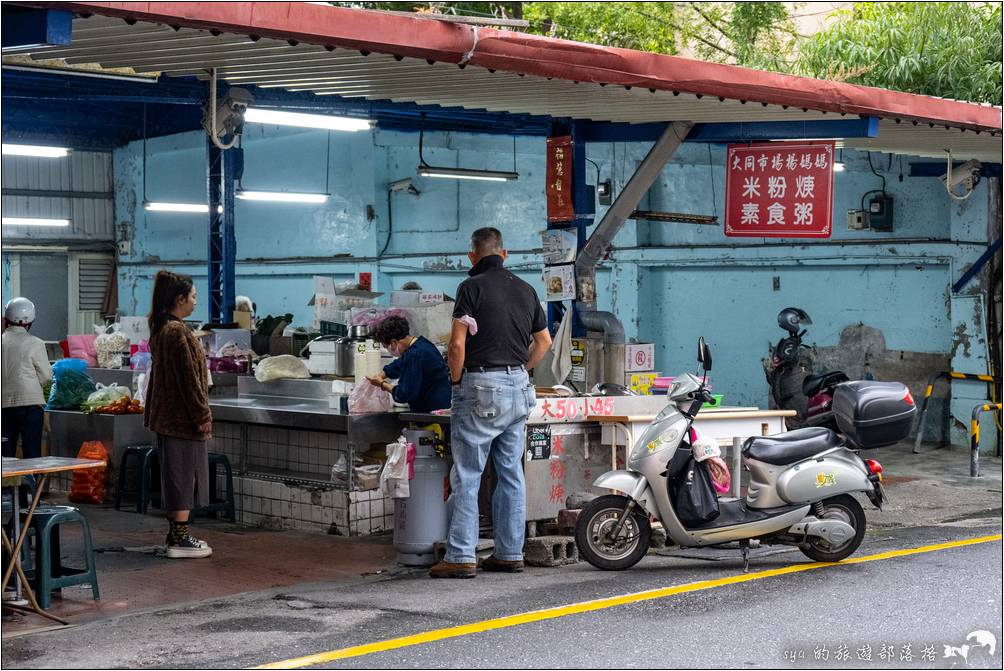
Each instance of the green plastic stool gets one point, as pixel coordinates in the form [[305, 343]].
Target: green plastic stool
[[49, 573]]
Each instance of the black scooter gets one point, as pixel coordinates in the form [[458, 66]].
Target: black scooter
[[793, 385]]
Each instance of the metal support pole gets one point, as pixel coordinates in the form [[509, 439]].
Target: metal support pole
[[222, 253], [626, 203], [974, 436]]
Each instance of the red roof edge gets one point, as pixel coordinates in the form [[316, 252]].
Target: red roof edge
[[419, 37]]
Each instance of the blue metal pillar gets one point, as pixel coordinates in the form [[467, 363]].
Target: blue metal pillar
[[223, 166]]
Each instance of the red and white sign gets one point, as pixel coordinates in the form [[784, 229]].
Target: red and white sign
[[639, 357], [779, 190]]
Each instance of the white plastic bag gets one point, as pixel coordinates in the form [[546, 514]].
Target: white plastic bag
[[367, 398], [282, 367], [110, 343], [105, 396], [394, 477], [702, 446]]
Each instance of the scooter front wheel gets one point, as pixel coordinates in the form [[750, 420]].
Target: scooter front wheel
[[846, 509], [594, 533]]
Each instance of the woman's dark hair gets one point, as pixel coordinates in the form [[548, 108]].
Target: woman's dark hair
[[391, 328], [167, 286]]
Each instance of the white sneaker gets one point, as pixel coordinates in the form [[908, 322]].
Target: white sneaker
[[189, 548]]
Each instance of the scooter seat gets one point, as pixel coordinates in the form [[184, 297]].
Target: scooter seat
[[787, 448], [813, 384]]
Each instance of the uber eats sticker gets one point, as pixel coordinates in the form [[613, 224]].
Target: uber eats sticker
[[538, 442]]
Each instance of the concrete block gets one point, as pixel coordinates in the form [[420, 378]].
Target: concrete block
[[550, 551], [658, 538]]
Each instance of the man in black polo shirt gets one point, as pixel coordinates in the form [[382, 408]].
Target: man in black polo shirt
[[499, 332]]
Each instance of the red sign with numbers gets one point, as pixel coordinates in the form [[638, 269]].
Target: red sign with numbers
[[779, 190]]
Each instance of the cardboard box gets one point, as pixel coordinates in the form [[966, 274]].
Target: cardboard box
[[640, 382], [639, 357], [242, 318], [409, 298]]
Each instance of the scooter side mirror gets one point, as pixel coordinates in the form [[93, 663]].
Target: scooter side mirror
[[704, 353]]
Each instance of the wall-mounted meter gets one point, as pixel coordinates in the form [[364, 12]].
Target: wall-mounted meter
[[880, 213]]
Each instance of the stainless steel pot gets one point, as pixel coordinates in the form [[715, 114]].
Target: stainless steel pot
[[359, 331], [345, 350]]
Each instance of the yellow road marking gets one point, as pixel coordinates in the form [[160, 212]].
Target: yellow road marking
[[598, 604]]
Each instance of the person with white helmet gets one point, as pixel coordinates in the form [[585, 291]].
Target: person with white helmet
[[26, 371]]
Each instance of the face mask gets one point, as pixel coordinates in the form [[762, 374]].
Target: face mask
[[394, 351]]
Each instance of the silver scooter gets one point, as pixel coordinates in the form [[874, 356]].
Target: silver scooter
[[800, 482]]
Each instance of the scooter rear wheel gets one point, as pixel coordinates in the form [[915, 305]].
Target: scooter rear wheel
[[844, 508], [597, 520]]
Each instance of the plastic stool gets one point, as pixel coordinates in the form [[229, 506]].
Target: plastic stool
[[145, 456], [216, 504], [49, 572]]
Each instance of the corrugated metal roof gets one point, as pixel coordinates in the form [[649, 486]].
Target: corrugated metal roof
[[78, 188], [326, 68]]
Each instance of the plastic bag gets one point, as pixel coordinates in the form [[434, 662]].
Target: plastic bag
[[720, 478], [104, 396], [89, 484], [702, 446], [367, 398], [282, 367], [82, 347], [71, 385], [394, 477], [110, 343]]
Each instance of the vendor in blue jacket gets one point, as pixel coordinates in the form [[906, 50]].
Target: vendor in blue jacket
[[423, 379]]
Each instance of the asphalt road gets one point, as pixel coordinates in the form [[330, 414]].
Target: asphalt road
[[924, 601]]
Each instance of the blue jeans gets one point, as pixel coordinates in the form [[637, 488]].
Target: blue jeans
[[24, 422], [489, 412]]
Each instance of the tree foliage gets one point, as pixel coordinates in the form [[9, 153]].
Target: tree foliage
[[947, 49]]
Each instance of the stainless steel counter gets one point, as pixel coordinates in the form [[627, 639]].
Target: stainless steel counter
[[284, 430]]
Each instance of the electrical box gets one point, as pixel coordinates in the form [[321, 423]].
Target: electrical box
[[880, 213], [857, 220]]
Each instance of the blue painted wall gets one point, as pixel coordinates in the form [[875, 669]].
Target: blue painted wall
[[669, 283]]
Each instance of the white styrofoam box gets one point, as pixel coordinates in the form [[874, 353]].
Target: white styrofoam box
[[321, 364], [435, 322], [410, 298], [323, 347], [639, 357], [220, 337]]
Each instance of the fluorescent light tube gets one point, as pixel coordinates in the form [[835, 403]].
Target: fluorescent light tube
[[838, 167], [34, 150], [283, 196], [465, 173], [179, 207], [32, 221], [325, 121]]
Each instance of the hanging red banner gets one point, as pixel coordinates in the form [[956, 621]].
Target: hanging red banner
[[779, 190], [559, 179]]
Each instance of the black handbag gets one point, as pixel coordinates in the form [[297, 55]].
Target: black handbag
[[693, 494]]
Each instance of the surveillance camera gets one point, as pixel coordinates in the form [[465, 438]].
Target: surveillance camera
[[966, 175], [404, 185], [229, 113]]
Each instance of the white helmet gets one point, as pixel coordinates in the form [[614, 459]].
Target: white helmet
[[19, 311]]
